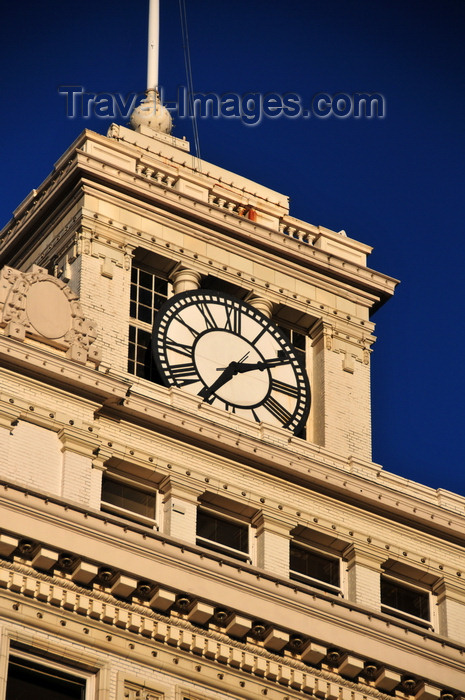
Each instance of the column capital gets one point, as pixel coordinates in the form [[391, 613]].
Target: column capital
[[173, 486], [266, 522], [261, 304], [355, 555], [74, 440], [444, 588], [322, 330], [185, 279]]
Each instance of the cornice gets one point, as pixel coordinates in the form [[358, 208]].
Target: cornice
[[54, 369], [181, 650], [108, 229], [273, 449], [367, 636], [76, 162]]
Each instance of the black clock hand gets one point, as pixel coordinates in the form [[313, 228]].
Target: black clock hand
[[264, 364], [224, 377]]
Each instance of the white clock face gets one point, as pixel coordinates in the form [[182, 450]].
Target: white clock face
[[231, 356]]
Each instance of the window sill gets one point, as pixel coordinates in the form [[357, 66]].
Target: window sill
[[315, 583], [406, 617], [223, 549], [128, 515]]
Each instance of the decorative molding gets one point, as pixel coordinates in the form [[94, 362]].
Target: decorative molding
[[41, 601], [155, 612], [38, 305]]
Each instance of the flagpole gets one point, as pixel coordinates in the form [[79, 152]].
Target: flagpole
[[153, 45], [150, 113]]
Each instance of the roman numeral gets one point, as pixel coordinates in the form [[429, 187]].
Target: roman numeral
[[284, 388], [207, 316], [184, 374], [180, 348], [233, 319], [180, 319], [277, 410], [257, 338]]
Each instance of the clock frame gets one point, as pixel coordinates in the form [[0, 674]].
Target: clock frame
[[231, 356]]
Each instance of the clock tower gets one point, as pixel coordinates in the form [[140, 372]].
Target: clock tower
[[190, 508]]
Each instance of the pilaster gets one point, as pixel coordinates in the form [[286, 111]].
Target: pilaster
[[363, 576], [180, 502], [451, 610], [77, 474], [341, 411], [273, 537]]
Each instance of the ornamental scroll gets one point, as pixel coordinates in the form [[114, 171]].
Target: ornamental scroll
[[37, 305]]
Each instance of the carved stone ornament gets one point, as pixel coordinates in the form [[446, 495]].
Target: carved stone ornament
[[36, 305]]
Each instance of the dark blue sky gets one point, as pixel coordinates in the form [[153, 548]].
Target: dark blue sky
[[394, 183]]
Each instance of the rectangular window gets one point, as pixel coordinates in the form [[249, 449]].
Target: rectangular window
[[406, 602], [139, 691], [315, 568], [127, 500], [222, 534], [148, 292], [298, 341], [44, 680]]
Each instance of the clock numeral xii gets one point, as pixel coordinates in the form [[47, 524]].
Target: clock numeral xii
[[233, 320]]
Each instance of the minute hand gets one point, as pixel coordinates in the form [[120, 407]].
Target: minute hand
[[264, 364]]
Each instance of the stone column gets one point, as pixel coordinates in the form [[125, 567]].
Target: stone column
[[180, 502], [261, 304], [363, 577], [185, 280], [273, 538]]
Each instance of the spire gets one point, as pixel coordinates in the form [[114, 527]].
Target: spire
[[151, 113]]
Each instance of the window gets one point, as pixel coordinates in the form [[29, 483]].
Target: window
[[122, 497], [406, 602], [148, 292], [44, 680], [298, 340], [222, 534], [139, 691], [314, 568]]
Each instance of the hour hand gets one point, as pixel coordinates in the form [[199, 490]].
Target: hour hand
[[225, 376]]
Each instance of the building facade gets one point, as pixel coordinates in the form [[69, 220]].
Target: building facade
[[160, 538]]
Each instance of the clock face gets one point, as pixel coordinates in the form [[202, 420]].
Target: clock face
[[231, 356]]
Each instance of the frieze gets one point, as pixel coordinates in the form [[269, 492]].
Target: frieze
[[36, 591], [303, 664]]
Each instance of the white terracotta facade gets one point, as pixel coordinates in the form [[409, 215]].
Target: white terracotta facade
[[143, 610]]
